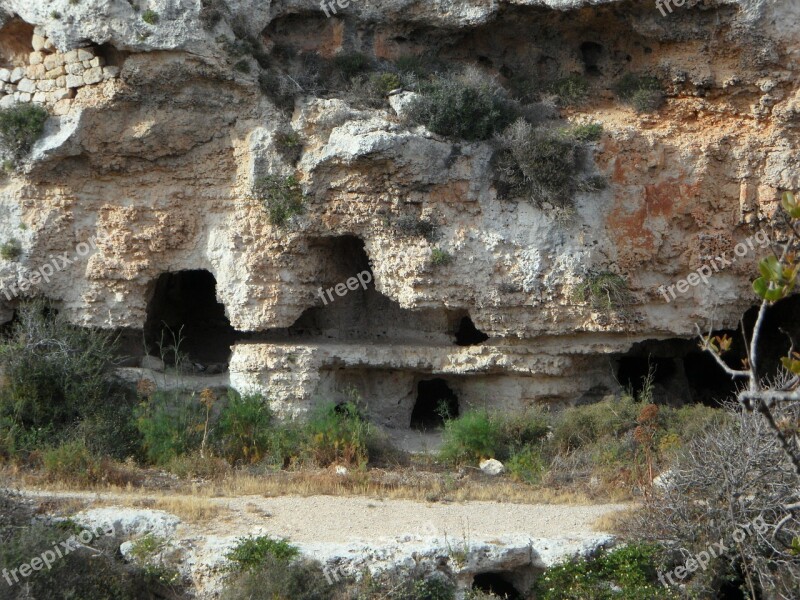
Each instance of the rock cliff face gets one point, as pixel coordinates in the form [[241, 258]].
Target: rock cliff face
[[165, 115]]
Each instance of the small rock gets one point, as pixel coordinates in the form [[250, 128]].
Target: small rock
[[26, 85], [340, 470], [492, 467], [52, 61], [36, 58], [62, 107], [38, 42], [36, 72], [49, 45], [61, 94], [75, 69], [97, 61], [153, 363], [61, 81], [45, 85], [24, 97], [74, 81], [110, 72], [401, 101], [5, 75], [17, 74], [84, 54], [7, 102], [71, 57], [39, 97], [55, 73], [93, 75]]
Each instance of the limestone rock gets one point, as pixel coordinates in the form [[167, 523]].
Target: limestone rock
[[74, 81], [26, 85], [492, 466], [93, 75], [153, 363], [38, 42]]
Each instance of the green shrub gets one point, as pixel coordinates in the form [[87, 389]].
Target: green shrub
[[211, 13], [643, 92], [581, 426], [171, 424], [278, 580], [55, 374], [289, 145], [243, 66], [244, 428], [461, 108], [337, 434], [604, 291], [588, 132], [440, 257], [413, 226], [473, 436], [20, 126], [71, 461], [150, 17], [281, 197], [629, 572], [540, 165], [350, 64], [573, 89], [371, 90], [11, 249], [251, 553], [433, 588], [527, 464]]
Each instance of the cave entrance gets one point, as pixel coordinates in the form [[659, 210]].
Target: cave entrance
[[681, 372], [591, 53], [467, 334], [185, 304], [435, 400], [497, 584]]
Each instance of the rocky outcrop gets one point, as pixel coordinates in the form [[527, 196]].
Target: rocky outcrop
[[156, 149]]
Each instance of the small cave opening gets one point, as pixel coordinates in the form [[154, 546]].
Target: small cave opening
[[15, 43], [497, 584], [779, 329], [467, 334], [435, 401], [591, 54], [184, 304]]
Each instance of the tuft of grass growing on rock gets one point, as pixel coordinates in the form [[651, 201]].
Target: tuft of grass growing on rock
[[588, 132], [251, 552], [414, 226], [11, 249], [603, 291], [440, 257], [150, 17], [281, 197], [289, 145], [20, 126], [643, 92]]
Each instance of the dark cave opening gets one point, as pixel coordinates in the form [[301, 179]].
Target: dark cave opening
[[184, 304], [681, 373], [591, 54], [497, 584], [469, 335], [435, 400]]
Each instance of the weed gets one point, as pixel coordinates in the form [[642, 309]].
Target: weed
[[350, 64], [289, 145], [571, 90], [471, 437], [463, 108], [252, 552], [338, 434], [243, 66], [603, 291], [150, 17], [539, 164], [244, 428], [413, 226], [281, 197], [440, 257], [55, 15], [211, 12], [171, 424], [20, 126], [643, 92], [588, 132], [11, 249]]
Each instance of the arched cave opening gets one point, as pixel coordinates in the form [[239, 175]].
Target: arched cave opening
[[467, 334], [15, 43], [591, 54], [435, 401], [184, 303], [497, 584], [682, 373]]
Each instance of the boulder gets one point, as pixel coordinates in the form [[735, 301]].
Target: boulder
[[153, 363], [492, 466]]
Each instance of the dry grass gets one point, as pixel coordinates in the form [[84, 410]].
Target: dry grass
[[613, 522]]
